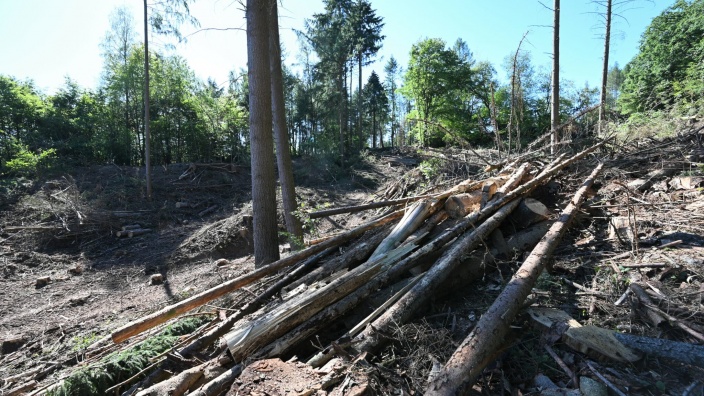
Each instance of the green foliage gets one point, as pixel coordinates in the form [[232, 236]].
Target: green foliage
[[652, 124], [117, 367], [434, 76], [26, 163], [430, 168], [668, 72]]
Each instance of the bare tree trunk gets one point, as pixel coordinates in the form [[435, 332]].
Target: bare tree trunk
[[283, 149], [359, 102], [266, 246], [605, 68], [147, 160], [555, 100]]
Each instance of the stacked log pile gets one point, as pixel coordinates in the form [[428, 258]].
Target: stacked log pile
[[433, 237]]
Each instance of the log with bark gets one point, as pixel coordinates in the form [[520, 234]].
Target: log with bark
[[473, 355], [197, 300]]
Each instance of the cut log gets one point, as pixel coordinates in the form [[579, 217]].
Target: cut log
[[197, 300], [468, 361], [458, 206], [488, 191], [141, 231], [529, 212]]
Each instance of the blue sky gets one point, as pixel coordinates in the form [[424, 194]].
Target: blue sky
[[46, 40]]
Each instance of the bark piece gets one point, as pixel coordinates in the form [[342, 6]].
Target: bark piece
[[468, 361], [583, 338]]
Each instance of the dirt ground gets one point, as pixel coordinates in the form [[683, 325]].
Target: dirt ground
[[67, 279]]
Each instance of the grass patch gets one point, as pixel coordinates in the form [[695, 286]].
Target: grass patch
[[118, 366]]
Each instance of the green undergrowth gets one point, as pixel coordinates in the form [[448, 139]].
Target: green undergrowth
[[119, 366]]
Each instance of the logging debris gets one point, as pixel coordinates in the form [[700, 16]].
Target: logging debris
[[390, 314]]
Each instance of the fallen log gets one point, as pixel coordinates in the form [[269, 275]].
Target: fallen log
[[413, 218], [373, 205], [402, 310], [616, 345], [470, 358], [197, 300], [176, 385], [251, 336], [353, 256]]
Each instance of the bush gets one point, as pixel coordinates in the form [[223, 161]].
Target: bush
[[28, 164]]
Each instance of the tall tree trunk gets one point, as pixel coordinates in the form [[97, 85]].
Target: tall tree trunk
[[283, 149], [359, 102], [605, 68], [266, 247], [555, 104], [147, 161]]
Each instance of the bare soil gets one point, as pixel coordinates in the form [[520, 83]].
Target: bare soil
[[65, 227]]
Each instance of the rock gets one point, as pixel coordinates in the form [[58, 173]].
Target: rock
[[41, 282], [11, 344], [156, 279], [592, 387]]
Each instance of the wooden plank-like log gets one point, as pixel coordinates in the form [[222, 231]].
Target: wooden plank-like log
[[413, 218], [470, 358], [197, 300]]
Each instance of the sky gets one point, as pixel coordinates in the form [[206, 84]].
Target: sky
[[48, 40]]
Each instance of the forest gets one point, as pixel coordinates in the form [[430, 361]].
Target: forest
[[344, 224], [443, 97]]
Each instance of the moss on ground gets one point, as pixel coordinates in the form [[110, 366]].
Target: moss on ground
[[119, 366]]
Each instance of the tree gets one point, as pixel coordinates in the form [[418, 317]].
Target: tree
[[22, 112], [376, 106], [331, 36], [367, 36], [667, 72], [433, 73], [165, 20], [555, 97], [266, 248], [614, 80], [605, 67], [118, 80], [283, 149], [392, 72]]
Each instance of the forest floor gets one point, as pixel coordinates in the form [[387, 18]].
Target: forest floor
[[67, 280]]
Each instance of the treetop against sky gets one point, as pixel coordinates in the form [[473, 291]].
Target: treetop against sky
[[48, 40]]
